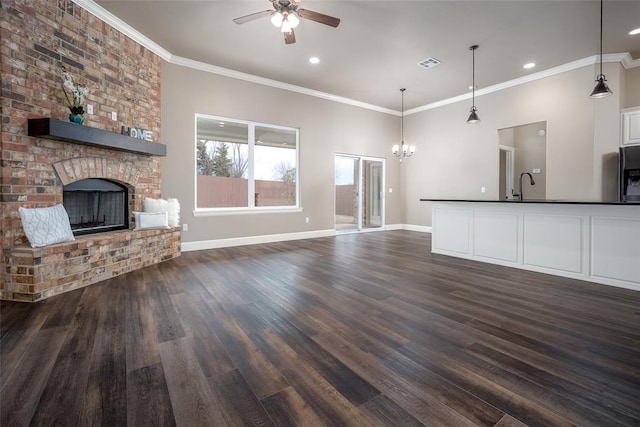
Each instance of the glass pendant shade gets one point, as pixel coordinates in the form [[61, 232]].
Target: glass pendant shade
[[293, 20], [285, 21], [286, 26], [276, 19]]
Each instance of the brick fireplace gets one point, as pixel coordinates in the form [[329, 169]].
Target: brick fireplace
[[39, 37]]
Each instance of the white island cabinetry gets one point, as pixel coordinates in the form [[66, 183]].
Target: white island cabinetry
[[596, 242]]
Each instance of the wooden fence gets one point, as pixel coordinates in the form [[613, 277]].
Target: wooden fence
[[226, 192]]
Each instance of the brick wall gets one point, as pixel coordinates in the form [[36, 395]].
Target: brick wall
[[37, 39]]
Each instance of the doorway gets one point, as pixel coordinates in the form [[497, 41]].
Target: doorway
[[359, 193], [506, 172]]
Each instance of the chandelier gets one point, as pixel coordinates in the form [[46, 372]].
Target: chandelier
[[403, 150]]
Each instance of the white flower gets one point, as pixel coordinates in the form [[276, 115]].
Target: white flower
[[76, 93]]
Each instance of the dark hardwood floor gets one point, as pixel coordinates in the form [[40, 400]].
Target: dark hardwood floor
[[360, 329]]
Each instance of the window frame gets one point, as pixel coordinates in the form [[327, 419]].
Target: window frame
[[251, 208]]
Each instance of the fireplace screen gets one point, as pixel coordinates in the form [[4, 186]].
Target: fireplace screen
[[96, 205]]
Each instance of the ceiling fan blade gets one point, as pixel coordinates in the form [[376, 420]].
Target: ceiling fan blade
[[253, 16], [290, 37], [319, 17]]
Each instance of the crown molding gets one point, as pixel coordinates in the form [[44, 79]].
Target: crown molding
[[624, 58], [99, 12], [109, 18], [629, 62], [214, 69], [117, 23]]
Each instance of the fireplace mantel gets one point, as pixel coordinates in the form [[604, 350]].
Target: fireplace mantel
[[59, 130]]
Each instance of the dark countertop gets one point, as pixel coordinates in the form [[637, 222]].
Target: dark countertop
[[539, 201]]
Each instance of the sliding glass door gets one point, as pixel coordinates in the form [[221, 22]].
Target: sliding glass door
[[347, 193], [359, 193], [373, 193]]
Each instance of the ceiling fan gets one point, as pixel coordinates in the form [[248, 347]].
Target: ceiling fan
[[285, 15]]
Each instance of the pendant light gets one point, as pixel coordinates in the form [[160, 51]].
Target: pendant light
[[602, 89], [403, 150], [473, 116]]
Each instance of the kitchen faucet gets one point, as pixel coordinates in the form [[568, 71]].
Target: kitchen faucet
[[520, 193]]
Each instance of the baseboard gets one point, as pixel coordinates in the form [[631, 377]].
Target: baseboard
[[253, 240], [271, 238], [418, 228], [391, 227], [408, 227]]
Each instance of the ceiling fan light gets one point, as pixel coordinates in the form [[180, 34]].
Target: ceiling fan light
[[602, 89], [276, 19], [473, 116], [293, 20], [286, 26]]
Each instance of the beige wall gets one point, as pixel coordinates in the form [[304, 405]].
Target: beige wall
[[455, 159], [505, 137], [452, 160], [326, 128], [632, 91]]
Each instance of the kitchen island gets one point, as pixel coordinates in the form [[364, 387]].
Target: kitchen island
[[593, 241]]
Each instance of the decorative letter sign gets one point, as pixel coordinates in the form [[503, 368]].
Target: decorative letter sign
[[137, 133]]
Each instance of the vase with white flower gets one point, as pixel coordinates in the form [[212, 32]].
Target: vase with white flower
[[75, 94]]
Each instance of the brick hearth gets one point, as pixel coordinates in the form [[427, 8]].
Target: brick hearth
[[34, 274]]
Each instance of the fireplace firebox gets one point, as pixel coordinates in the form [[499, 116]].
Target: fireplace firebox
[[96, 206]]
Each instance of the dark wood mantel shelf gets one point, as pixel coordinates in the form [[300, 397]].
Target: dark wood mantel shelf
[[71, 132]]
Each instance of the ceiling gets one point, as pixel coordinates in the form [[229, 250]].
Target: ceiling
[[375, 50]]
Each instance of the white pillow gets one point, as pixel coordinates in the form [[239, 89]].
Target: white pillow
[[46, 226], [171, 206], [147, 220]]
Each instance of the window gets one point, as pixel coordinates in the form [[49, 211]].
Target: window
[[245, 166]]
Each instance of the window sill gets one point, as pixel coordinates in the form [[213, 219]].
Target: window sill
[[243, 211]]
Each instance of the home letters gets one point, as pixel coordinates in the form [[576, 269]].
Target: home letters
[[137, 133]]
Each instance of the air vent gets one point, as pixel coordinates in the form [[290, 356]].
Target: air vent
[[428, 63]]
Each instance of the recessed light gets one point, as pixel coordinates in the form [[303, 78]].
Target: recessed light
[[634, 32], [529, 65], [314, 60]]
